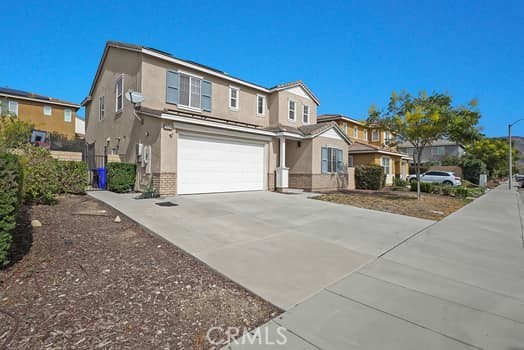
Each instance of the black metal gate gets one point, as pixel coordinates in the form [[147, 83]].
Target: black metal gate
[[93, 161]]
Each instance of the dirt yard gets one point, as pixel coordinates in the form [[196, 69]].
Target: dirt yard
[[88, 282], [432, 207]]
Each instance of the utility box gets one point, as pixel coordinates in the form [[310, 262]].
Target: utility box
[[483, 180]]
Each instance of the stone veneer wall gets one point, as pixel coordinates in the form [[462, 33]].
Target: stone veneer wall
[[322, 182], [165, 183]]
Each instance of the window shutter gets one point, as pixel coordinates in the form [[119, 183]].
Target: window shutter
[[340, 161], [206, 96], [324, 160], [172, 82]]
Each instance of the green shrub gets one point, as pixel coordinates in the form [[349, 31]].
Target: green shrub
[[461, 192], [399, 182], [72, 176], [472, 168], [369, 177], [14, 133], [40, 178], [425, 187], [121, 177], [10, 197]]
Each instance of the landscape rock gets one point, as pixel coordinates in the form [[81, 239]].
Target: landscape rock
[[117, 219], [36, 223]]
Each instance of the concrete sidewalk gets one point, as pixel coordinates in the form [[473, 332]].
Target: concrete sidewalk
[[459, 284]]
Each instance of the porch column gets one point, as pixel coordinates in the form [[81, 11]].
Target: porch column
[[282, 171]]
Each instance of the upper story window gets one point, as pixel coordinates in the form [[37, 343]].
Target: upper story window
[[48, 110], [187, 90], [375, 135], [12, 108], [291, 110], [387, 137], [119, 94], [332, 160], [365, 134], [305, 115], [438, 151], [355, 132], [261, 105], [233, 97], [68, 115], [101, 108]]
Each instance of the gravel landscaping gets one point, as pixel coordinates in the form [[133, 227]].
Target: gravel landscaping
[[84, 281], [432, 207]]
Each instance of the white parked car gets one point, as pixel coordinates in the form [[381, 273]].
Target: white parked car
[[441, 177]]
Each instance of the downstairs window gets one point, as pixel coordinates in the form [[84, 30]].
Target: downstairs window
[[332, 160]]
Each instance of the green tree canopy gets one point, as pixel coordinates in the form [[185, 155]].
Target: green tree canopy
[[494, 153]]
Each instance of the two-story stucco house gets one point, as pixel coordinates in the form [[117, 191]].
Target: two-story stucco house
[[45, 113], [200, 130], [435, 152], [370, 145]]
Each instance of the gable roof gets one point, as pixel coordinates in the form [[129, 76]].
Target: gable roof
[[358, 147], [432, 144], [309, 131], [26, 95], [332, 117], [189, 64], [293, 84]]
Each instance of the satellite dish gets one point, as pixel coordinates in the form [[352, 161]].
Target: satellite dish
[[134, 97]]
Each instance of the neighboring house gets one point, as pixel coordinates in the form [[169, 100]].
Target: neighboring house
[[435, 152], [80, 128], [45, 113], [370, 145], [201, 130]]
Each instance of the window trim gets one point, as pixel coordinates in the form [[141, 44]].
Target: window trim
[[390, 168], [373, 138], [365, 134], [350, 163], [304, 107], [263, 105], [237, 89], [50, 110], [355, 132], [70, 116], [9, 102], [188, 106], [101, 108], [119, 79], [332, 162], [294, 120]]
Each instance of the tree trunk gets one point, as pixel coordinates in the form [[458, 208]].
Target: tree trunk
[[417, 170]]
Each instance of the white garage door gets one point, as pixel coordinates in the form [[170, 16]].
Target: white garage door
[[218, 165]]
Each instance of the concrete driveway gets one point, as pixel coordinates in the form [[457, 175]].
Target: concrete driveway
[[283, 247]]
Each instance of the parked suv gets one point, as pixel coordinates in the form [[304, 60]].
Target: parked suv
[[441, 177]]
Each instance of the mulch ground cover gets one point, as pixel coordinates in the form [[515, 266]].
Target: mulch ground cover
[[432, 207], [87, 282]]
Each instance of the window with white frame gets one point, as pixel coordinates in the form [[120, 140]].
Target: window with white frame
[[365, 134], [387, 137], [48, 110], [386, 164], [355, 132], [12, 108], [345, 128], [438, 151], [331, 160], [292, 105], [305, 115], [68, 115], [190, 91], [101, 108], [119, 94], [234, 97], [350, 161], [375, 136], [261, 105]]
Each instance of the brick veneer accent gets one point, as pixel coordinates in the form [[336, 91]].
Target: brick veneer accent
[[165, 183], [271, 185], [319, 182]]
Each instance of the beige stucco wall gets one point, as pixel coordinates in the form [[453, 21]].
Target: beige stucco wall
[[282, 112], [299, 156], [154, 89]]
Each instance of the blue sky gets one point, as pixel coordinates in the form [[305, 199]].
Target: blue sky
[[351, 54]]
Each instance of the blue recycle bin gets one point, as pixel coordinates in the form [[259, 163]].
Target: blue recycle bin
[[101, 177]]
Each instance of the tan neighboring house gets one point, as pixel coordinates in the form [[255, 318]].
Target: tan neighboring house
[[45, 113], [200, 130], [370, 145]]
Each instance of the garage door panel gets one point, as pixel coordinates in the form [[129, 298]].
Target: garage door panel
[[216, 165]]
